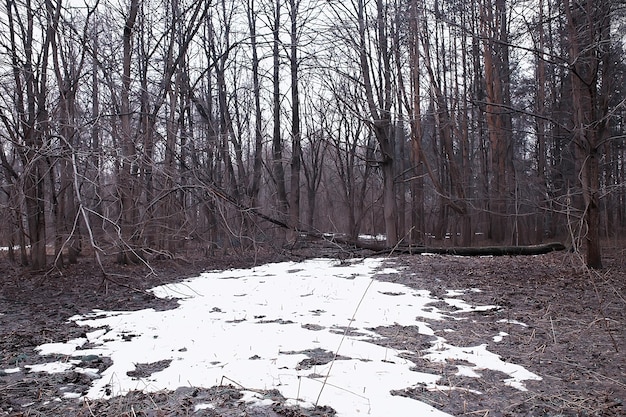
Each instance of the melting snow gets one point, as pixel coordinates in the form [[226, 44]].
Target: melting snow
[[257, 327], [498, 338], [519, 323]]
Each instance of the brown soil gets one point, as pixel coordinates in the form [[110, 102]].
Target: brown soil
[[575, 339]]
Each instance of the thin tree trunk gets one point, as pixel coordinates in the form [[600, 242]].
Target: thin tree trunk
[[417, 184], [255, 183], [296, 145], [126, 254], [277, 143]]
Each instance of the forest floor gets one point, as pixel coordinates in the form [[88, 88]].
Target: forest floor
[[573, 336]]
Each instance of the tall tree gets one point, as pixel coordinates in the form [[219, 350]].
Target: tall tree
[[589, 40], [414, 107], [29, 49], [126, 182], [278, 170], [68, 59], [296, 140], [495, 33], [255, 181], [378, 93]]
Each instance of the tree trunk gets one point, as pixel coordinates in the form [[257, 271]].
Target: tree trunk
[[296, 145], [255, 182], [126, 189], [379, 104], [589, 36], [495, 45], [278, 170], [417, 184]]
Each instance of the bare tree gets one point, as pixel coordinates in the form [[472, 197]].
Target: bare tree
[[126, 182], [296, 140], [30, 37], [589, 30], [379, 102], [494, 20], [278, 170], [255, 181]]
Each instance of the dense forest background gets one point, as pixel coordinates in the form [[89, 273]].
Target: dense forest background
[[155, 126]]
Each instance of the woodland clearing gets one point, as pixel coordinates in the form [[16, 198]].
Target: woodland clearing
[[552, 317]]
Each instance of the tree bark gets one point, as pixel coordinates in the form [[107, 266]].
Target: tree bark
[[296, 140], [255, 181], [589, 36], [126, 189], [379, 105], [495, 50], [278, 170]]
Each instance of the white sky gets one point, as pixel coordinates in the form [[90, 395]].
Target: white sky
[[252, 325]]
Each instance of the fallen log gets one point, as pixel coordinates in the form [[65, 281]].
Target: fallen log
[[487, 250], [218, 192], [380, 248]]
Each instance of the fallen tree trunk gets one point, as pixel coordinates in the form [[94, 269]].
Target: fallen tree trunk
[[379, 248], [459, 251], [489, 250]]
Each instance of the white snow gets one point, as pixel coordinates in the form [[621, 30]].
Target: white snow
[[52, 367], [203, 406], [519, 323], [483, 359], [499, 337], [66, 348], [255, 327]]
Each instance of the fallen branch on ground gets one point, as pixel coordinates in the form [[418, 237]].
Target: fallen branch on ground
[[459, 251]]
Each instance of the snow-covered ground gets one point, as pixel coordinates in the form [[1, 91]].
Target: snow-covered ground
[[262, 327]]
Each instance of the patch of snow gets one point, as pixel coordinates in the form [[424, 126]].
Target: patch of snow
[[507, 321], [53, 367], [483, 359], [6, 248], [254, 327], [458, 293], [373, 237], [448, 388], [500, 336], [12, 370], [71, 395], [92, 373], [96, 334], [66, 348], [464, 307], [468, 371], [255, 399], [203, 406]]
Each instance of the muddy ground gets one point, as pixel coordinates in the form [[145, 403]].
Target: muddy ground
[[574, 338]]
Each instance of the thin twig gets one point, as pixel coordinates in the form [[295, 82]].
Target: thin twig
[[553, 332], [86, 402]]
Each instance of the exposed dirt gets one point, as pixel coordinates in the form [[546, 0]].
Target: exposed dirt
[[574, 337]]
